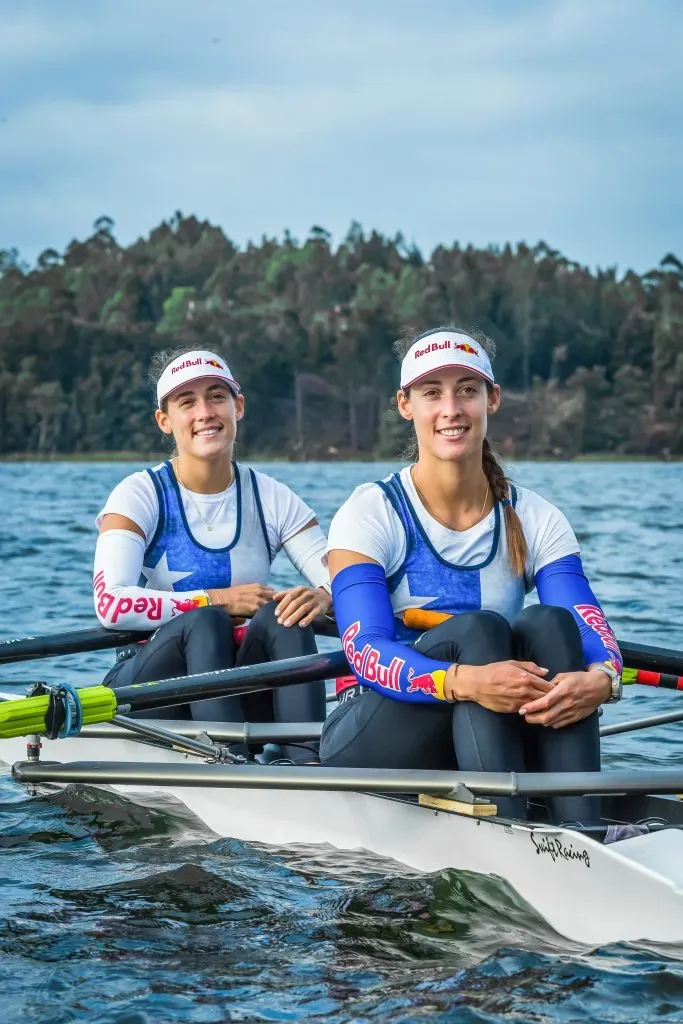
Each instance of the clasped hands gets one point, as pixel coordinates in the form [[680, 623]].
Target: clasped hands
[[297, 605], [522, 687]]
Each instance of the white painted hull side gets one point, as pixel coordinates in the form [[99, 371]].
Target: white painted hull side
[[588, 892]]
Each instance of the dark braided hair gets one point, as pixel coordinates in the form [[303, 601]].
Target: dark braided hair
[[495, 474]]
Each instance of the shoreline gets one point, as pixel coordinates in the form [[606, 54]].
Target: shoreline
[[151, 458]]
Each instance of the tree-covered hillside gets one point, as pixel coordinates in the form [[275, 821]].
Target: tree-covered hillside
[[592, 362]]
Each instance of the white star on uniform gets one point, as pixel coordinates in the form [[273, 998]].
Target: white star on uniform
[[160, 577], [402, 598]]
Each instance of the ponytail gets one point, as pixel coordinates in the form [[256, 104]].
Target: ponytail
[[500, 489]]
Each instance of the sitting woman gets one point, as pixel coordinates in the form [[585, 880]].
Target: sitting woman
[[185, 548], [494, 686]]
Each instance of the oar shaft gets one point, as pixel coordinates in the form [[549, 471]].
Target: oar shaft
[[350, 779], [220, 732], [657, 666], [229, 682], [663, 680], [77, 641], [641, 723], [80, 641]]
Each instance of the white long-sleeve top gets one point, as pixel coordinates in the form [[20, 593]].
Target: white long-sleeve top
[[193, 542]]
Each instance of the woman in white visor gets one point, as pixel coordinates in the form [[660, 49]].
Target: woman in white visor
[[185, 549], [449, 543]]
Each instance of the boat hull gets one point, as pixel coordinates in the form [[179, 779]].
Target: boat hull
[[590, 893]]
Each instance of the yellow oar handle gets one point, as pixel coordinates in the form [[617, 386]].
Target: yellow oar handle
[[26, 716]]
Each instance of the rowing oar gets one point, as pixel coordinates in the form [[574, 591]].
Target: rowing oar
[[76, 641], [62, 710], [651, 666], [378, 780], [80, 641]]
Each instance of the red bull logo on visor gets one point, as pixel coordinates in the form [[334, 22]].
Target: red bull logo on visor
[[186, 364], [213, 362], [446, 345]]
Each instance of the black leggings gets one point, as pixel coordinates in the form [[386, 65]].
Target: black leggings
[[202, 641], [373, 731]]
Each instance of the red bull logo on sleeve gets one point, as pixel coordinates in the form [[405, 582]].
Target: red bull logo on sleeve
[[594, 617], [111, 608], [430, 683], [188, 604], [366, 662]]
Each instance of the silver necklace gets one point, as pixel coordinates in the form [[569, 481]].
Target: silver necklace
[[207, 522], [433, 513]]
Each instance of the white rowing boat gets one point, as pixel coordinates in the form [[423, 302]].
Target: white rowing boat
[[631, 890]]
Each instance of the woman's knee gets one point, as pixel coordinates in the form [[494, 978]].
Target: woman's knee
[[265, 622], [485, 623], [265, 619], [549, 635], [547, 616], [211, 620], [548, 622], [479, 637]]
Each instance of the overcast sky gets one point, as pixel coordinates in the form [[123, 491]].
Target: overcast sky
[[480, 121]]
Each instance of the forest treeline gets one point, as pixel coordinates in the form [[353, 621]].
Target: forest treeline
[[589, 361]]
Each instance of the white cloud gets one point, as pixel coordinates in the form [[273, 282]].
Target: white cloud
[[488, 124]]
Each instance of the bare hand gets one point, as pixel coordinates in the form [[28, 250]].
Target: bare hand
[[574, 696], [242, 601], [503, 686], [302, 605]]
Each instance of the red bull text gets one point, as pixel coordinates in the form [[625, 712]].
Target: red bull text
[[437, 346], [186, 363], [594, 617], [111, 608], [366, 664]]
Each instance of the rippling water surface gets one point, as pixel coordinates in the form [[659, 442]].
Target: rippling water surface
[[113, 912]]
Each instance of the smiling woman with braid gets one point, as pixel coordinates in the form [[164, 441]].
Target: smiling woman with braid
[[493, 686]]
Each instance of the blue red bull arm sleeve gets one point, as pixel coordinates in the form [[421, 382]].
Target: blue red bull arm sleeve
[[563, 583], [367, 628]]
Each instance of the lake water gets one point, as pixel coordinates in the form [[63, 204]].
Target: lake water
[[125, 915]]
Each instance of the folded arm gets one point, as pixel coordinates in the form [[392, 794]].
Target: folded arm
[[367, 628], [119, 602], [564, 583], [306, 551]]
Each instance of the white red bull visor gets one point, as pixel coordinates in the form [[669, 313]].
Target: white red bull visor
[[441, 349], [192, 366]]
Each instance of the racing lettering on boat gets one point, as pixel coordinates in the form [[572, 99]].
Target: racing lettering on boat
[[558, 849]]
